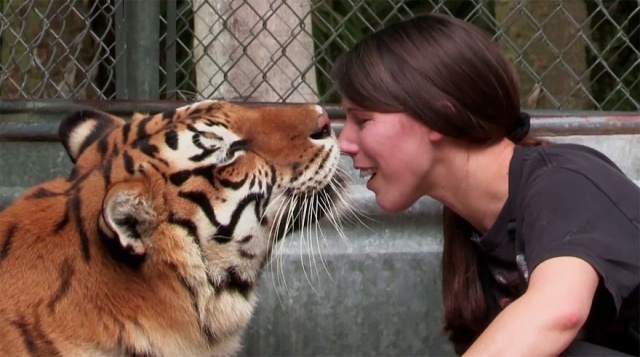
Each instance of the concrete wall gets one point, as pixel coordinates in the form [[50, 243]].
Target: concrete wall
[[375, 293]]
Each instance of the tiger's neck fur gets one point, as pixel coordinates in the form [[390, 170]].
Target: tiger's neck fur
[[204, 310]]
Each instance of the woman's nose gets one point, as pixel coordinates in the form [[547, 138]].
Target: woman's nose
[[346, 140]]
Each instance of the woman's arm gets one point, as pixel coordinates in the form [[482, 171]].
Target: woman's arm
[[546, 319]]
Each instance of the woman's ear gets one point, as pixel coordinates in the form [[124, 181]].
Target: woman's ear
[[434, 136]]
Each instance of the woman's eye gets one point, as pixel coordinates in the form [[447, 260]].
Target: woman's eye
[[360, 121]]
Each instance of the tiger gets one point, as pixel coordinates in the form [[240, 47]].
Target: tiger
[[154, 244]]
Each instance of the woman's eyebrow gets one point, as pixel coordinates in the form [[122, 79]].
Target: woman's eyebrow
[[355, 110]]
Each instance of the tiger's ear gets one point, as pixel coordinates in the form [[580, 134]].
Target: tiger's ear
[[83, 127], [127, 219]]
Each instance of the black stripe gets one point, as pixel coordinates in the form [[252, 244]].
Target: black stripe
[[194, 112], [44, 193], [142, 128], [99, 130], [36, 341], [142, 138], [103, 146], [65, 273], [201, 199], [146, 147], [234, 185], [181, 177], [77, 181], [323, 162], [238, 145], [168, 114], [74, 173], [187, 224], [192, 292], [193, 129], [125, 132], [273, 175], [195, 140], [6, 245], [27, 336], [45, 344], [128, 163], [194, 304], [203, 155], [234, 282], [171, 139], [65, 219], [227, 230], [153, 166], [106, 173], [246, 239], [76, 206]]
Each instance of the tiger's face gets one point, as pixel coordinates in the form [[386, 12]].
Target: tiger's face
[[232, 179], [179, 210]]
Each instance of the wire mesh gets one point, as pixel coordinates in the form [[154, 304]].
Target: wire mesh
[[570, 55]]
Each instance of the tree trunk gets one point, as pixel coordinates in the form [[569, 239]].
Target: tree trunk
[[47, 50], [542, 38], [254, 50]]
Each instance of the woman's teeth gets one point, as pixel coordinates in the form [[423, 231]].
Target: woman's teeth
[[367, 172]]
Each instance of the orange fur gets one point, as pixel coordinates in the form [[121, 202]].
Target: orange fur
[[137, 252]]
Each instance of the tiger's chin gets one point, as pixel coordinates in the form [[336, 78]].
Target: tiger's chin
[[305, 210]]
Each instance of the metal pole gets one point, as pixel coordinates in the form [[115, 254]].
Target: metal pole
[[121, 43], [142, 20], [170, 41]]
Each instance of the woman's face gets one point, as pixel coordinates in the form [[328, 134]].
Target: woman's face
[[394, 149]]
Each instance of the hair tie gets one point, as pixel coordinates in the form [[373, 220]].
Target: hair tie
[[522, 130]]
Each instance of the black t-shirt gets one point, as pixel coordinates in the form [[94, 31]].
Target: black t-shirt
[[572, 201]]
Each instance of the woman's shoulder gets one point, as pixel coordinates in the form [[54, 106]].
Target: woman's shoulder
[[572, 160], [571, 172], [574, 157]]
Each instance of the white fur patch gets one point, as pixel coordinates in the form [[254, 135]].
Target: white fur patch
[[79, 135], [212, 137], [202, 102]]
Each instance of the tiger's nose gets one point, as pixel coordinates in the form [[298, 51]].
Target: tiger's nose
[[324, 125]]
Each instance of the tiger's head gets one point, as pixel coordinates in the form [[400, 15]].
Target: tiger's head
[[178, 213], [233, 179]]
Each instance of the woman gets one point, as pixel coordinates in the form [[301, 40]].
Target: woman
[[541, 242]]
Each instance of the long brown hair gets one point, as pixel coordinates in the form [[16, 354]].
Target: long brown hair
[[449, 75]]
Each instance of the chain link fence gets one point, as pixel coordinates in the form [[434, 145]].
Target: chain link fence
[[571, 54]]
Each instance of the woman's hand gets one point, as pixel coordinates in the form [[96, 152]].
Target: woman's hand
[[547, 318]]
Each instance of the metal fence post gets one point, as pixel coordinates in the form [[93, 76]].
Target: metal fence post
[[140, 62]]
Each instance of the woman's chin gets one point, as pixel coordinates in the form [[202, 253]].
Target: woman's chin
[[389, 205]]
